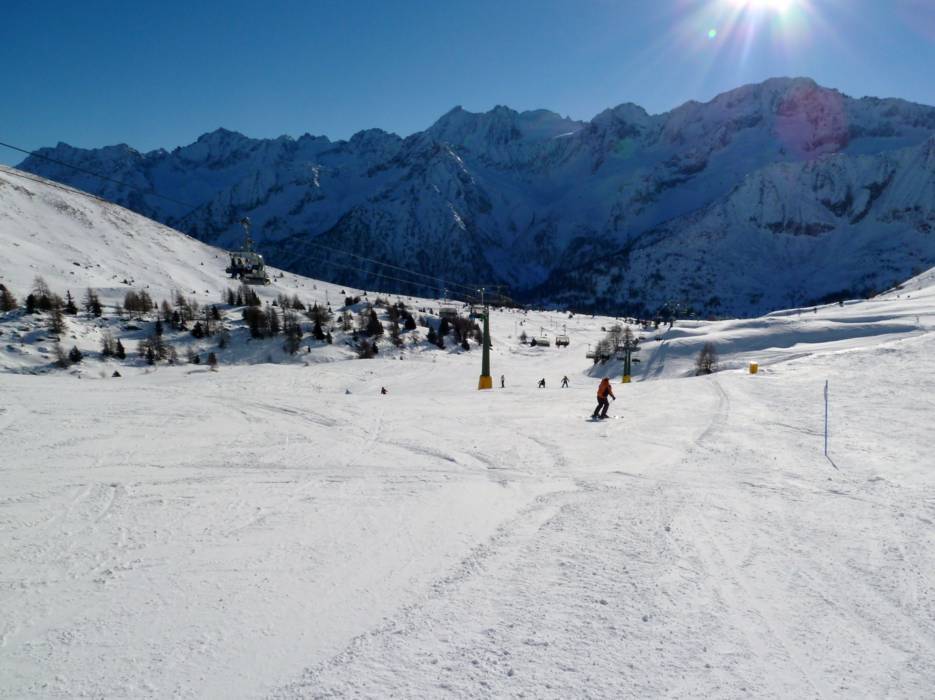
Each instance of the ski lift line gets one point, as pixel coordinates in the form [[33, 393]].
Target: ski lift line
[[446, 283], [71, 190], [191, 208], [51, 183], [102, 177], [387, 277]]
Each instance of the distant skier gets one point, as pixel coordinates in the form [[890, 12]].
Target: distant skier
[[565, 382], [542, 383], [603, 391], [382, 389], [502, 382]]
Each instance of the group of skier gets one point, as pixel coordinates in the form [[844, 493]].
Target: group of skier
[[605, 392]]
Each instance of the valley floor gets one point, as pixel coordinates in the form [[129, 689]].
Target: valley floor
[[259, 532]]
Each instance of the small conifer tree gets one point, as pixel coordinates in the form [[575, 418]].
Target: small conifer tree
[[56, 321], [706, 363], [70, 307], [7, 300]]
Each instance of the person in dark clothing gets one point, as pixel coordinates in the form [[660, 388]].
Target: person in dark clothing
[[542, 383], [565, 382], [502, 382], [382, 389], [603, 391]]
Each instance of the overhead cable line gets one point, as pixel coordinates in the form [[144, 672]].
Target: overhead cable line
[[150, 191], [446, 285], [49, 183], [379, 275], [396, 267]]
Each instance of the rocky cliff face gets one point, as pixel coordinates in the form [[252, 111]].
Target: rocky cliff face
[[771, 194]]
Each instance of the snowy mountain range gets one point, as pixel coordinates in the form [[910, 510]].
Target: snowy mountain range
[[771, 195]]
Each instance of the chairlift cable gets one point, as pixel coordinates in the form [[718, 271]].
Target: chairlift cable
[[150, 191], [191, 208]]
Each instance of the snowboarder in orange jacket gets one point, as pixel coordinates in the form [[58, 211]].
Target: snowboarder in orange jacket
[[603, 391]]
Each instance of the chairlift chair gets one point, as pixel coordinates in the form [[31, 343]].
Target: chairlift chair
[[246, 264], [449, 312]]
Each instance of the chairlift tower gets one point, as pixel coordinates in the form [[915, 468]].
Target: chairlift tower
[[485, 381], [630, 345]]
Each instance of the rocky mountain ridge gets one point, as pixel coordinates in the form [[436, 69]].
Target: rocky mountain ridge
[[628, 210]]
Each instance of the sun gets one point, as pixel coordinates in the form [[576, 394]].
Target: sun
[[780, 6]]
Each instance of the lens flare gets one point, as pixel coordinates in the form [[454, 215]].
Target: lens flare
[[780, 6]]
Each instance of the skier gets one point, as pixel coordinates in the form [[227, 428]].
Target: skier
[[565, 382], [502, 382], [603, 391], [542, 383], [382, 389]]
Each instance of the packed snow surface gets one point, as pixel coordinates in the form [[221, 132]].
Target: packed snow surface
[[283, 530]]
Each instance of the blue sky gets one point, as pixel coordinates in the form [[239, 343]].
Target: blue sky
[[160, 74]]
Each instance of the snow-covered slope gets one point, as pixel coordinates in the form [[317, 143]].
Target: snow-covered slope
[[284, 529], [528, 199]]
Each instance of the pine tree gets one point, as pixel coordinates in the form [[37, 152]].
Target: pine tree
[[56, 321], [107, 344], [198, 330], [70, 307], [158, 327], [374, 327], [61, 359], [366, 349], [707, 360], [273, 320], [42, 293], [31, 304], [213, 361], [317, 331], [119, 352], [92, 304], [7, 300], [150, 355], [75, 355], [256, 321]]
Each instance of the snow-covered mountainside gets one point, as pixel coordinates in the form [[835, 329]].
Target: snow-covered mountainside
[[628, 209], [281, 528]]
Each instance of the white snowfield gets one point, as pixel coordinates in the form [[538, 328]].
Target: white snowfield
[[281, 529]]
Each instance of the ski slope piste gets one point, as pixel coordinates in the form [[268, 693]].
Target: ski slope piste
[[280, 528]]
